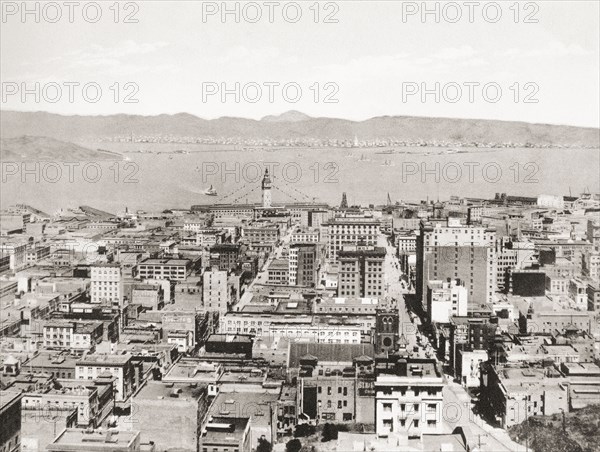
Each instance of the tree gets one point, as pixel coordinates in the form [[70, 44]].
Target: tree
[[293, 445], [330, 431], [264, 445], [304, 430]]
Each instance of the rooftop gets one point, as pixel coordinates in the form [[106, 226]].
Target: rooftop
[[78, 439], [228, 430]]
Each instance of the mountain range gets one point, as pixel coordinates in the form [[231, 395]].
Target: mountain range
[[30, 148], [295, 125]]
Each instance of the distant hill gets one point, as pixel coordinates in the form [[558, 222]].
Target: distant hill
[[296, 125], [29, 148], [288, 116]]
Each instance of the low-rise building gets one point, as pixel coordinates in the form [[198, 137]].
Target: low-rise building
[[513, 393]]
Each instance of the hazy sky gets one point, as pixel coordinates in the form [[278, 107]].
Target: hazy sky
[[367, 61]]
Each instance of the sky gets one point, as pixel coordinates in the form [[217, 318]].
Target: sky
[[537, 62]]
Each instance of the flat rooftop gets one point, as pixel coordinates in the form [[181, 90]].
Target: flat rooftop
[[224, 430], [105, 360], [165, 262], [7, 398], [78, 439]]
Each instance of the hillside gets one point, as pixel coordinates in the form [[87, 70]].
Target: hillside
[[295, 125], [29, 148], [545, 433]]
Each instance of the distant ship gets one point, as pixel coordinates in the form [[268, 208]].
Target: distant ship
[[363, 158], [210, 191]]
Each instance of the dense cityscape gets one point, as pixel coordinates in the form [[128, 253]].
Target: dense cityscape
[[427, 326]]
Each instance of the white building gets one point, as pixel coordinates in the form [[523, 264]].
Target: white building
[[350, 230], [409, 398], [106, 284], [446, 299], [215, 291]]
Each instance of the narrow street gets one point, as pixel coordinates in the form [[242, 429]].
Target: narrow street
[[458, 411]]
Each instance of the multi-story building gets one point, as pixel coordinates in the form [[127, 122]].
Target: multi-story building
[[278, 272], [106, 284], [361, 271], [297, 326], [225, 256], [511, 255], [593, 233], [446, 299], [590, 265], [37, 253], [406, 242], [16, 250], [306, 235], [515, 393], [120, 367], [453, 250], [10, 420], [336, 389], [150, 296], [215, 291], [171, 269], [408, 397], [77, 336], [261, 236], [578, 292], [350, 230], [303, 264], [72, 395], [593, 297]]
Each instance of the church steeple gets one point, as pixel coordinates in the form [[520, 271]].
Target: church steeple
[[344, 204]]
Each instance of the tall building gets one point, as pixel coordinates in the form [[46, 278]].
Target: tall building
[[106, 285], [350, 230], [10, 419], [361, 271], [215, 292], [449, 249], [266, 190], [303, 264]]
